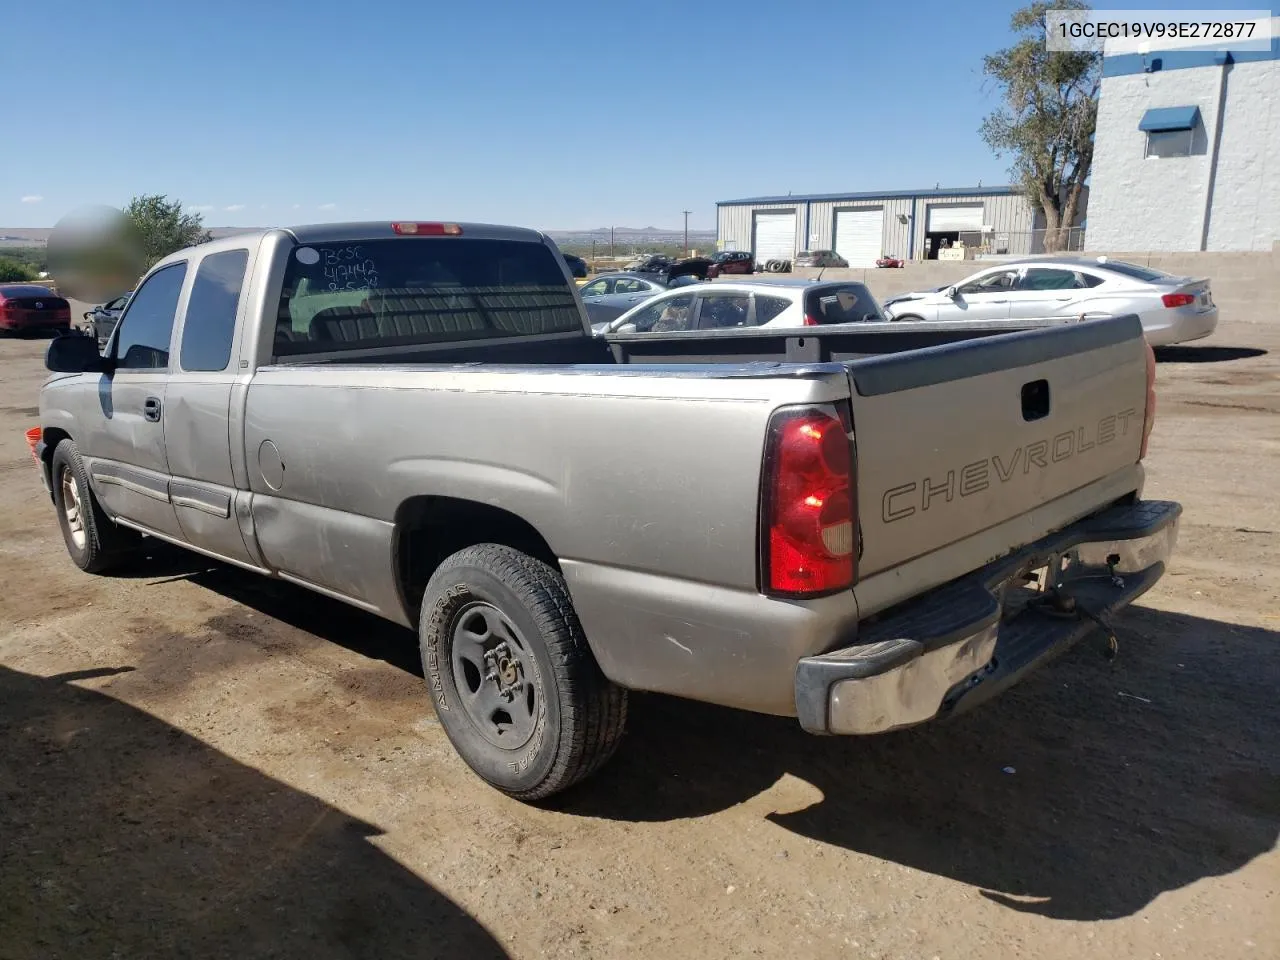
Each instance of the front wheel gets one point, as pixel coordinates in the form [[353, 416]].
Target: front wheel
[[93, 541], [909, 318], [511, 677]]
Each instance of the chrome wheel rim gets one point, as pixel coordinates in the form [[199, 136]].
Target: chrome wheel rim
[[493, 672], [72, 509]]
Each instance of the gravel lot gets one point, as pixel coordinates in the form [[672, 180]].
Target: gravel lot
[[195, 762]]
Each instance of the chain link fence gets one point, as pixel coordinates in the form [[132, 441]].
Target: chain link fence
[[1020, 243]]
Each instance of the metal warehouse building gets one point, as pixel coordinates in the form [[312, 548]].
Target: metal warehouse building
[[864, 226]]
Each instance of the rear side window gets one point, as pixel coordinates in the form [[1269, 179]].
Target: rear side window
[[142, 342], [1044, 278], [211, 311], [375, 293], [847, 303], [1134, 271]]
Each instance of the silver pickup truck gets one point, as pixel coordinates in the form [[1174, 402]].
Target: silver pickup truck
[[863, 533]]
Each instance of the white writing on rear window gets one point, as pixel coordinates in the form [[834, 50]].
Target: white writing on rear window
[[345, 268]]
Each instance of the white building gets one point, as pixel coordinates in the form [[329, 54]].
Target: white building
[[1187, 151]]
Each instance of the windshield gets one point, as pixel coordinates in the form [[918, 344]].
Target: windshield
[[349, 296]]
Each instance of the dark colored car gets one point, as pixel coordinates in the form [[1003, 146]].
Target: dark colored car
[[577, 266], [29, 307], [731, 261], [101, 320], [664, 269], [820, 258]]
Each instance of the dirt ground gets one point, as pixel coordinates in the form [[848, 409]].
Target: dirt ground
[[195, 762]]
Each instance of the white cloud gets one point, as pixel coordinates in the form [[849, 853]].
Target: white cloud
[[328, 206], [32, 198], [200, 207], [234, 207], [297, 206], [262, 206]]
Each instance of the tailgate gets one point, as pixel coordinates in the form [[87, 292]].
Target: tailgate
[[955, 439]]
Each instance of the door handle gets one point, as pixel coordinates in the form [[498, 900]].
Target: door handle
[[151, 409]]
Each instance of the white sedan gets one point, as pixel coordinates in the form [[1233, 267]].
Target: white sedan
[[760, 303], [1172, 309]]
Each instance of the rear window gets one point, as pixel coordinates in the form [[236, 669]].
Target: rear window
[[1135, 271], [25, 290], [351, 296], [847, 303]]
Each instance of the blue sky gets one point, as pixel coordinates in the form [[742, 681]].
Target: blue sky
[[551, 115]]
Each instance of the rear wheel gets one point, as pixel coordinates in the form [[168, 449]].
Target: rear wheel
[[909, 317], [93, 541], [511, 677]]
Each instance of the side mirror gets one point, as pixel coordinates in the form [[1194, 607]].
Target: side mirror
[[952, 293], [74, 354]]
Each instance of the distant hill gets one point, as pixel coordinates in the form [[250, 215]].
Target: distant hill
[[39, 236]]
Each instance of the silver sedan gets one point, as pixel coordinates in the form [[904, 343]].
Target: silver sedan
[[1173, 309], [610, 295]]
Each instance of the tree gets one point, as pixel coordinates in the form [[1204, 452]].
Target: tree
[[15, 271], [1049, 116], [162, 227]]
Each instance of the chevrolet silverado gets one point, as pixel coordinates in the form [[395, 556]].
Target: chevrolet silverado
[[864, 530]]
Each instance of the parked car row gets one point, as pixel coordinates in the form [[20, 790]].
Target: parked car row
[[655, 298]]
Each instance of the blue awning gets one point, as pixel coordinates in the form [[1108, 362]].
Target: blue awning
[[1161, 119]]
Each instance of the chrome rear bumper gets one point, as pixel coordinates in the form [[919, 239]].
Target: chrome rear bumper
[[967, 641]]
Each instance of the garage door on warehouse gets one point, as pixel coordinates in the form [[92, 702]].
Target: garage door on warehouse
[[955, 219], [774, 236], [858, 234]]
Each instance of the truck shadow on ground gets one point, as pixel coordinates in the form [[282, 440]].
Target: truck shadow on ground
[[1189, 354], [124, 837], [1111, 802]]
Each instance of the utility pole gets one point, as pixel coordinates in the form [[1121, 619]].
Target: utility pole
[[611, 243], [686, 232]]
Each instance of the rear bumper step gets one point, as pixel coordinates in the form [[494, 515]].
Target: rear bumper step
[[970, 639]]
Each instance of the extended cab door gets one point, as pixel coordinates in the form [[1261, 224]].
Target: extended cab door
[[197, 419], [124, 443]]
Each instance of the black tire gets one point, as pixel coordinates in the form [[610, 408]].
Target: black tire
[[100, 545], [910, 318], [573, 719]]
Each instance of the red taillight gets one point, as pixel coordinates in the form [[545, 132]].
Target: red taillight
[[1149, 417], [808, 505], [809, 321], [1178, 299], [409, 229], [33, 438]]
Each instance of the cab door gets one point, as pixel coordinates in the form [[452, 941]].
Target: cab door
[[124, 447], [197, 419]]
